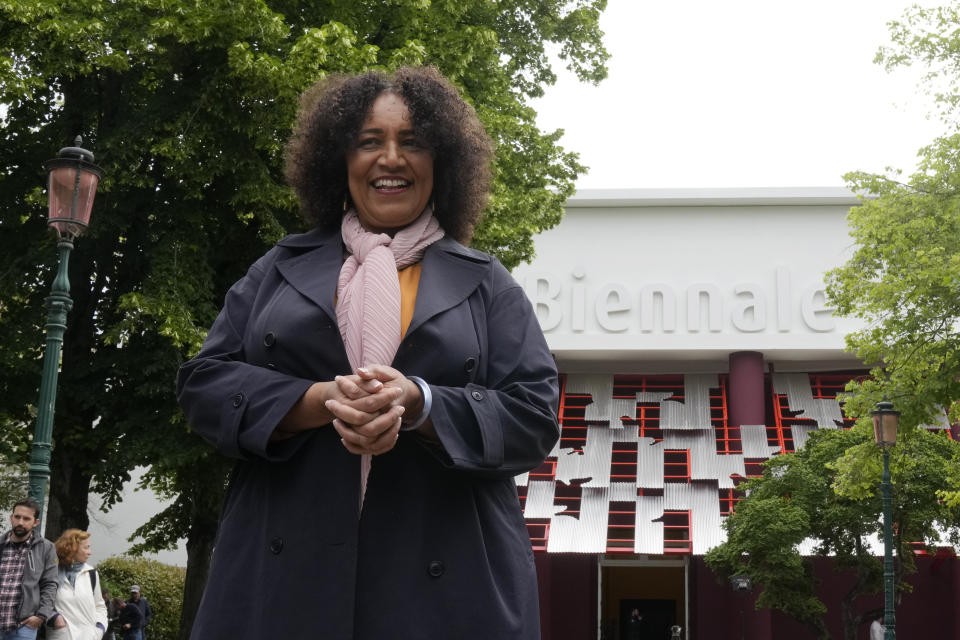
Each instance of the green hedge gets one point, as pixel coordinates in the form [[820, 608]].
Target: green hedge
[[160, 583]]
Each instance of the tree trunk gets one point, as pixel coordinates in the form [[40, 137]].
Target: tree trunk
[[209, 481], [848, 616], [199, 551], [867, 576], [69, 486]]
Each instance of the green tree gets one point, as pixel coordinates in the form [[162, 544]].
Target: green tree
[[13, 469], [187, 106], [903, 279], [797, 499]]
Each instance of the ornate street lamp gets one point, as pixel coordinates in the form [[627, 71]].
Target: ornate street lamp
[[72, 184], [885, 423], [741, 584]]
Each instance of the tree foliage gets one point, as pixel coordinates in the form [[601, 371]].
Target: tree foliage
[[187, 106], [13, 468], [161, 584], [927, 37], [903, 279]]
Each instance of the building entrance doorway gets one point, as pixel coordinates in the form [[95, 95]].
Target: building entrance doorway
[[655, 588]]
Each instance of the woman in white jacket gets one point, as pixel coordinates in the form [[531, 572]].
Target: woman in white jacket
[[82, 613]]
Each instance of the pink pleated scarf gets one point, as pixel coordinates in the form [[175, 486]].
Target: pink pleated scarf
[[368, 292]]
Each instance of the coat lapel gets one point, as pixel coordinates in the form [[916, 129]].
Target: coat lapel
[[314, 272], [450, 273]]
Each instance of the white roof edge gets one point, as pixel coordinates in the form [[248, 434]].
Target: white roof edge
[[723, 197]]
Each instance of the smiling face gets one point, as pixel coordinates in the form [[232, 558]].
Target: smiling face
[[389, 168]]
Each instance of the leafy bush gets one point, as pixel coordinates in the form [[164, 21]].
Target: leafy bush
[[160, 583]]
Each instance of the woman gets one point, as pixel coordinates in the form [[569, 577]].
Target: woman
[[81, 612], [380, 385]]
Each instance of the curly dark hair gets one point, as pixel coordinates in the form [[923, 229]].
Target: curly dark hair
[[332, 112]]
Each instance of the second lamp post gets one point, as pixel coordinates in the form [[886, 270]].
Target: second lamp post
[[885, 423]]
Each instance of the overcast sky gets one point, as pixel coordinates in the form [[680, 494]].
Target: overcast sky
[[742, 93]]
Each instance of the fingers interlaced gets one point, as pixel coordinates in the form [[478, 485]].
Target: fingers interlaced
[[355, 387], [375, 437], [367, 414]]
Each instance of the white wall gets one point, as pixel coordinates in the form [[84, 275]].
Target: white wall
[[761, 253]]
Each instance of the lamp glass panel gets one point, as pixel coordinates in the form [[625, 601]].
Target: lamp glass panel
[[885, 427], [889, 423], [64, 183]]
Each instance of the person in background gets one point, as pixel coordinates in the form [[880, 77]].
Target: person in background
[[635, 625], [111, 616], [143, 605], [379, 384], [877, 630], [81, 613], [129, 620], [28, 575]]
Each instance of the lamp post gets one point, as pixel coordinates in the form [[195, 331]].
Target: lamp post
[[741, 584], [71, 185], [885, 422]]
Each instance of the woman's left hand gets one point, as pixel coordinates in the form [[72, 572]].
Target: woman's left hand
[[409, 396], [59, 623]]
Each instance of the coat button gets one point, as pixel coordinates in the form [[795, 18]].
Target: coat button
[[238, 400], [469, 364], [435, 568], [269, 339], [276, 545], [477, 395]]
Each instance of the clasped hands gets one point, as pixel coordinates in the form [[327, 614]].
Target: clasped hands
[[366, 408]]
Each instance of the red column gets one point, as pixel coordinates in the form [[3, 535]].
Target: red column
[[745, 401]]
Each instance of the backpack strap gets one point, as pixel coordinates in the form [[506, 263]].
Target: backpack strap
[[93, 580]]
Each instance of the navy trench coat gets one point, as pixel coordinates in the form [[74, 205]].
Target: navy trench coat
[[440, 550]]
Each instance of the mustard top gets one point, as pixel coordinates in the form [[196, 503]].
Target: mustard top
[[409, 283]]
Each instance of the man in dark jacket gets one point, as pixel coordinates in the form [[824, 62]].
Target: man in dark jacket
[[129, 620], [143, 606], [28, 575]]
